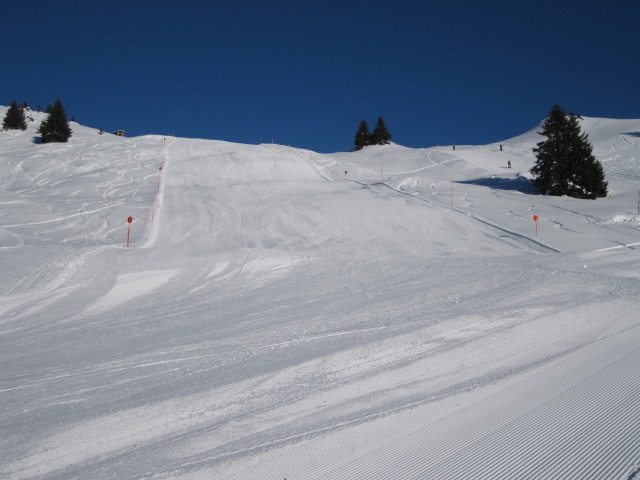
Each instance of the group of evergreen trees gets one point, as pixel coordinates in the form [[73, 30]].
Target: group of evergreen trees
[[380, 135], [565, 163], [54, 128]]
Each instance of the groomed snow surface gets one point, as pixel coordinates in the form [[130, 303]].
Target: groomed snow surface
[[384, 314]]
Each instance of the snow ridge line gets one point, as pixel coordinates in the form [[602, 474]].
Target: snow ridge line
[[512, 232], [617, 247], [471, 215], [318, 167], [159, 197]]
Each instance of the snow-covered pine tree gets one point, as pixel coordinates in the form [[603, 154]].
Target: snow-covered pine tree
[[55, 128], [14, 118], [565, 163], [363, 137]]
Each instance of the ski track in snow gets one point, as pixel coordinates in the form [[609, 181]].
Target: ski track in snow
[[280, 319]]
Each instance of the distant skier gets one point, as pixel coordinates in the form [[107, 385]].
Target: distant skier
[[500, 147], [454, 147], [508, 163]]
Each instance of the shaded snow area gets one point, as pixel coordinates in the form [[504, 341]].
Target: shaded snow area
[[275, 317]]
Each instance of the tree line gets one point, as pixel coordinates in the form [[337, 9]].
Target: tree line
[[54, 128], [565, 164]]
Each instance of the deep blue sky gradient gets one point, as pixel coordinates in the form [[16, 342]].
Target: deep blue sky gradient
[[305, 73]]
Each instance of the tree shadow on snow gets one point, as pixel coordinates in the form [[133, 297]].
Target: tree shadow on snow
[[519, 184], [632, 134]]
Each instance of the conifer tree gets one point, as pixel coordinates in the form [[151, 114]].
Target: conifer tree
[[363, 137], [565, 163], [381, 134], [14, 118], [55, 128], [547, 152], [586, 175]]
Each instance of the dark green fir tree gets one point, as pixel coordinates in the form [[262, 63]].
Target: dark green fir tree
[[381, 134], [55, 128], [14, 118], [565, 162], [548, 153], [586, 177], [363, 137]]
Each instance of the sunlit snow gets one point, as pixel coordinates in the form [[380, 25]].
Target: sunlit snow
[[384, 314]]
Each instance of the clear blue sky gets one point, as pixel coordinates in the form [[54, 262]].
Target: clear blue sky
[[305, 73]]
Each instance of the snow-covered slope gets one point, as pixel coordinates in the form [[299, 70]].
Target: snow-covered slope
[[389, 313]]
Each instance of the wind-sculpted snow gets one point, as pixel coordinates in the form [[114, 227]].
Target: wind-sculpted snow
[[275, 317]]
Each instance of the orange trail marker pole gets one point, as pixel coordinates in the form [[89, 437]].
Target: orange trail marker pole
[[129, 220], [535, 219]]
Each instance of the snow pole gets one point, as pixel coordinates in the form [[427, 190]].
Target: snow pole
[[535, 219], [153, 208], [159, 173], [345, 174], [129, 220]]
